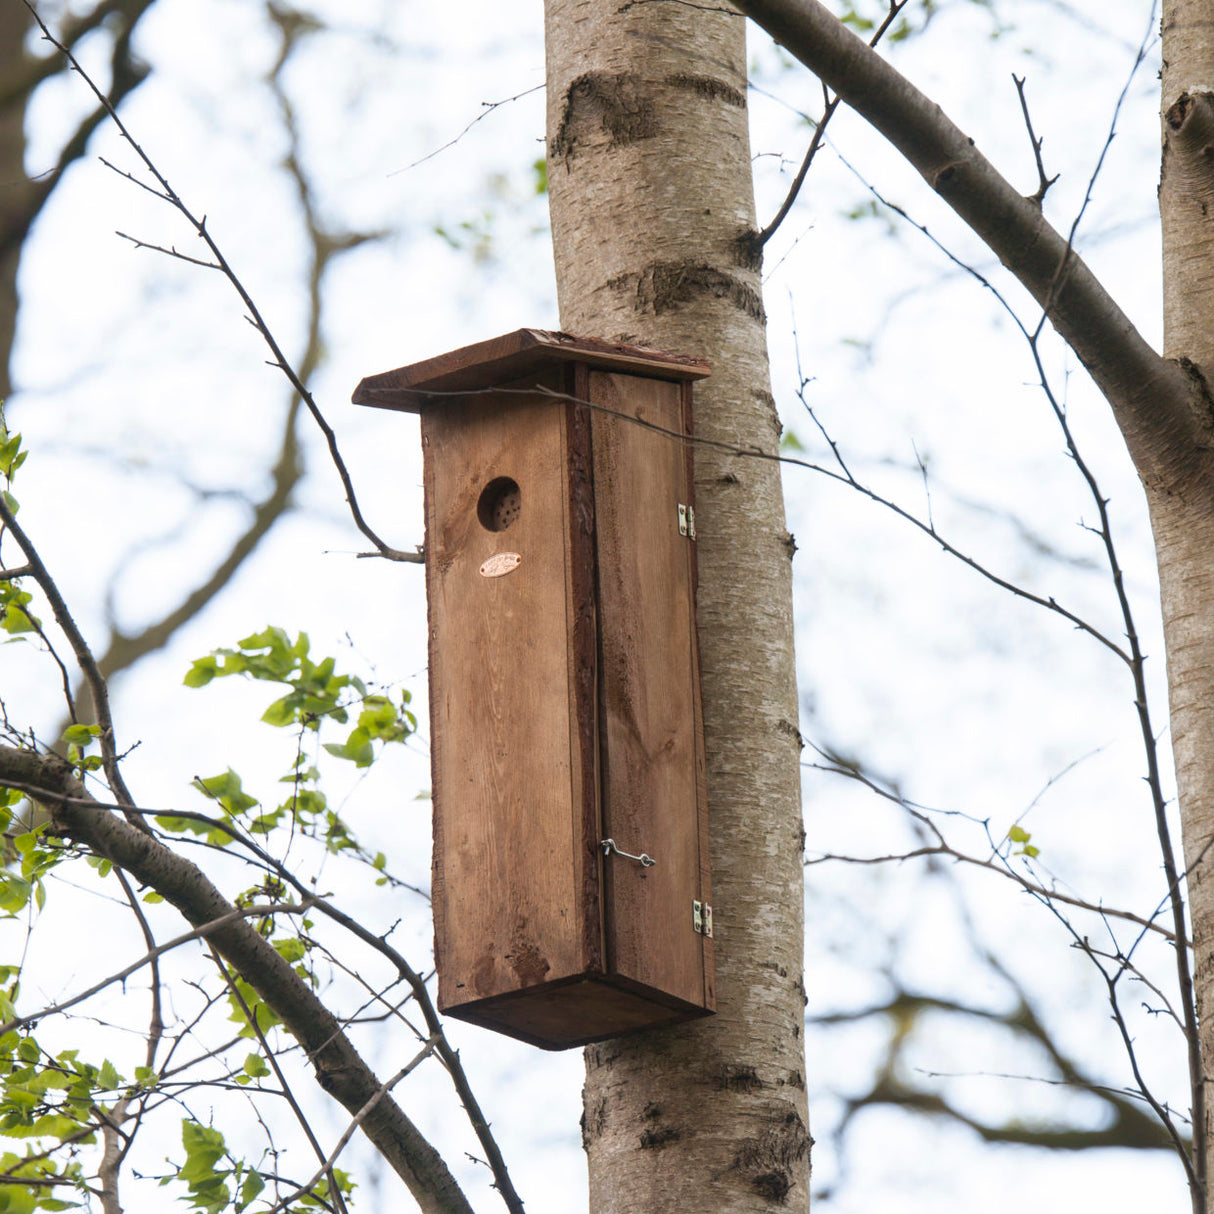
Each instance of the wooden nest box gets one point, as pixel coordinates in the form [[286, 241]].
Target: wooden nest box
[[571, 876]]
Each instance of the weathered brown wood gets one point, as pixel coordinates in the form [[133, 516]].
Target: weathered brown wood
[[564, 685], [508, 904], [648, 684], [574, 1012], [525, 351], [583, 659]]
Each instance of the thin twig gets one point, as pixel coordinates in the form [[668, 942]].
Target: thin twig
[[1043, 182], [198, 933], [326, 1167], [487, 108], [170, 251], [278, 359], [843, 477], [272, 1058], [1031, 887], [84, 659], [830, 104]]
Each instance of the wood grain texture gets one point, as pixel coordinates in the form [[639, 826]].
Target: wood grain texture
[[649, 692], [582, 613], [512, 356], [506, 897], [564, 696], [559, 1015], [697, 700]]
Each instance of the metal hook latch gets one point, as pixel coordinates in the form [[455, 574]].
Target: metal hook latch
[[608, 846]]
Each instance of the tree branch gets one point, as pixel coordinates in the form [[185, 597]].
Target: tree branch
[[340, 1070], [830, 104], [84, 659], [1164, 413], [254, 316]]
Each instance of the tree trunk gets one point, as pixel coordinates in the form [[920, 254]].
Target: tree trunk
[[1182, 508], [16, 196], [653, 226]]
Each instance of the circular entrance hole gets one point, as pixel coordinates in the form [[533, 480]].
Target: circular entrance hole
[[499, 504]]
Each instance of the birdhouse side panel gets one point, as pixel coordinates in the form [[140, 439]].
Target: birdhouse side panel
[[652, 748], [508, 902]]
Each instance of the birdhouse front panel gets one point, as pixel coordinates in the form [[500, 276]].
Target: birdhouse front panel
[[571, 876], [508, 839]]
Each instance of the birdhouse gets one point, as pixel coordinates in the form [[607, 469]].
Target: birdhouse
[[571, 875]]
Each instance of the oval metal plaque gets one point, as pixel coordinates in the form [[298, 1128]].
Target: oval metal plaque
[[501, 563]]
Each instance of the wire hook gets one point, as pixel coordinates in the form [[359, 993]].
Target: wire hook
[[609, 846]]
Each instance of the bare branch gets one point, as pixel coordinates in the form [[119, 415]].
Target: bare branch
[[326, 1167], [487, 108], [1043, 182], [199, 933], [84, 659], [340, 1070], [1032, 887], [1152, 398], [170, 251], [278, 358], [831, 103]]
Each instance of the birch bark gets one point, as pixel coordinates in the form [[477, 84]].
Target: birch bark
[[653, 224], [1182, 508]]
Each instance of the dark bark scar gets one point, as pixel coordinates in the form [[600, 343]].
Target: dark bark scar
[[1201, 387], [710, 88], [662, 286], [659, 1136], [768, 1163], [733, 1078]]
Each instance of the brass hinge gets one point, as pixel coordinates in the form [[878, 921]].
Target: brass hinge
[[687, 521]]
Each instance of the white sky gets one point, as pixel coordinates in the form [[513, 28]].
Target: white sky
[[137, 374]]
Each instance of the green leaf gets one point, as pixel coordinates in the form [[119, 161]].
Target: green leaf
[[81, 735], [360, 756], [204, 1148], [109, 1077], [539, 168], [15, 621], [282, 712], [14, 893], [201, 672], [266, 1019], [249, 1189], [255, 1066], [9, 448], [291, 948], [228, 790], [1019, 835]]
